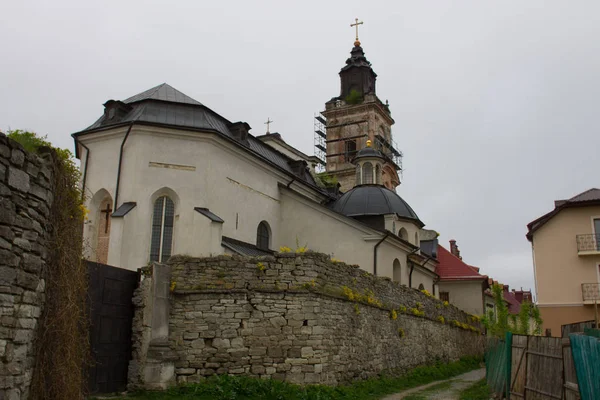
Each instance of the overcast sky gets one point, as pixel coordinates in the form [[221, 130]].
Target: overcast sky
[[495, 102]]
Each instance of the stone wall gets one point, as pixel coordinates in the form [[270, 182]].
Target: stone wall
[[297, 317], [25, 201]]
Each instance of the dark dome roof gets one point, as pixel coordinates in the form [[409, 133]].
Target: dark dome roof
[[368, 152], [373, 200]]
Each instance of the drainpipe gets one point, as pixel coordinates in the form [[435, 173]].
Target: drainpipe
[[375, 252], [412, 267], [119, 168], [87, 157], [290, 184]]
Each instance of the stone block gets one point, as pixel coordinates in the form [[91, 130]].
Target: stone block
[[22, 243], [27, 281], [257, 369], [30, 262], [221, 343], [23, 336], [18, 179], [17, 157], [8, 275], [306, 352]]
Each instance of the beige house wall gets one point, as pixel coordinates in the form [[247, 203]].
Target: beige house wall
[[466, 295], [560, 271], [554, 317]]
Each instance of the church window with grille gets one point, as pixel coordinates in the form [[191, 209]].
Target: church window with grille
[[367, 173], [262, 236], [445, 296], [162, 229]]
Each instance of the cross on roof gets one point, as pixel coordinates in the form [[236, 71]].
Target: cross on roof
[[268, 123], [356, 24]]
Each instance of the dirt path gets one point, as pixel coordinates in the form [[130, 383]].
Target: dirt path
[[442, 390]]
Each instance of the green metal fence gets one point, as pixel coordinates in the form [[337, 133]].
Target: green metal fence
[[497, 364], [586, 354]]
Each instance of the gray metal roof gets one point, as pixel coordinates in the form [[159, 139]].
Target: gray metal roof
[[243, 248], [163, 92], [373, 200], [209, 214], [164, 105], [124, 209]]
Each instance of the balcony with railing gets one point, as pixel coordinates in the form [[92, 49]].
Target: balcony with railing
[[590, 293], [588, 244]]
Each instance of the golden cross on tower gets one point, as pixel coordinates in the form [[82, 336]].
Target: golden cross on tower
[[356, 24], [268, 123]]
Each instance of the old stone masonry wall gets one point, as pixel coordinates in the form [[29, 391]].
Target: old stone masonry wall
[[25, 201], [295, 317]]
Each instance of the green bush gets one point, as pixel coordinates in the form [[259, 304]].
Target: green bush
[[354, 97]]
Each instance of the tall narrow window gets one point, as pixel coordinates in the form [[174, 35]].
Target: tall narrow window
[[162, 229], [397, 271], [367, 173], [350, 149], [262, 236], [377, 174]]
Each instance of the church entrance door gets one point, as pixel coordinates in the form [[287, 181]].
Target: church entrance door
[[111, 315]]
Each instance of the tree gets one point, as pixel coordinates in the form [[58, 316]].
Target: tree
[[497, 325]]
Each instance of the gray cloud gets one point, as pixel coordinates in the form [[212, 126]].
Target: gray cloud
[[495, 102]]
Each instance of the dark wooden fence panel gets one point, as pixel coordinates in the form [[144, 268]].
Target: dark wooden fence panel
[[576, 327], [111, 315]]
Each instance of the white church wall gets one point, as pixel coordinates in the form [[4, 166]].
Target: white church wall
[[324, 231], [201, 170]]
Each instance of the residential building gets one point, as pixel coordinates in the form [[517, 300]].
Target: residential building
[[459, 283], [566, 260]]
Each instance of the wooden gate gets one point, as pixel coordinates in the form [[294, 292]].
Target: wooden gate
[[537, 368], [111, 314]]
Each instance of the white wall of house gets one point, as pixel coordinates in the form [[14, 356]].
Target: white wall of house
[[466, 295]]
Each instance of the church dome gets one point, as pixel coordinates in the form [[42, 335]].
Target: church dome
[[368, 151], [366, 200]]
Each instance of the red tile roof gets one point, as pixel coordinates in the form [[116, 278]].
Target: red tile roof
[[514, 306], [451, 267]]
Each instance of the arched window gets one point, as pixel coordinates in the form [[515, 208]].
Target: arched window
[[403, 234], [421, 287], [377, 174], [397, 271], [162, 229], [367, 172], [358, 182], [263, 236]]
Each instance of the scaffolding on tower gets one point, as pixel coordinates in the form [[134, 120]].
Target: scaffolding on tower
[[320, 141]]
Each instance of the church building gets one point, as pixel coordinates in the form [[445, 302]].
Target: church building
[[163, 174]]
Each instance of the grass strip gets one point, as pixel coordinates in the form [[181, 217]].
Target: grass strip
[[225, 387], [478, 391]]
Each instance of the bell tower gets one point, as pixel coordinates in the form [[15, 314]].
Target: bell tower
[[355, 116]]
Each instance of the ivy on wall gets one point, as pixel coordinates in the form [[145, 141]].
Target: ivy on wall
[[62, 341]]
